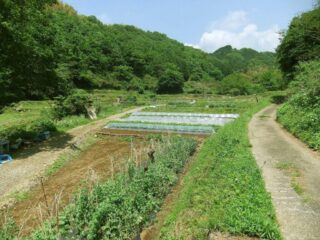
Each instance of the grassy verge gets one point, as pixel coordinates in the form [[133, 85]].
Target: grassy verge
[[301, 121], [224, 190]]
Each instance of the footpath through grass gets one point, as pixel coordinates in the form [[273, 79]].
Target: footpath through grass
[[224, 190]]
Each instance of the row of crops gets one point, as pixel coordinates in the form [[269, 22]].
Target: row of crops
[[161, 127]]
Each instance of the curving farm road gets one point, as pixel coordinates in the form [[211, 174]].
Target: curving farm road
[[286, 163]]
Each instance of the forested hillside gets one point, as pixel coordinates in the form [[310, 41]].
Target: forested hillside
[[47, 49], [298, 56]]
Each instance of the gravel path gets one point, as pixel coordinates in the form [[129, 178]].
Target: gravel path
[[21, 174], [272, 146]]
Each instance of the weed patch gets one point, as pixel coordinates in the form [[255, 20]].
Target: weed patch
[[294, 173]]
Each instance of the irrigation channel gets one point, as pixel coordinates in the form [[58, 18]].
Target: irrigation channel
[[107, 156]]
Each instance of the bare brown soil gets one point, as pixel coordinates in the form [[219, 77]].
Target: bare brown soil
[[102, 160], [225, 236], [137, 133], [22, 173]]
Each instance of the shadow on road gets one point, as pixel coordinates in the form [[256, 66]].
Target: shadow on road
[[56, 142]]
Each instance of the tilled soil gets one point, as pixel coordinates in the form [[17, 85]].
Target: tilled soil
[[143, 133], [272, 146], [102, 160], [22, 173]]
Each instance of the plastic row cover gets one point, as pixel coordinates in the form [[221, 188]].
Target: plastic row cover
[[179, 120], [160, 127], [185, 114]]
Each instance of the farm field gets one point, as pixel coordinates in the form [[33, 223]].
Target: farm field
[[93, 167], [102, 159], [126, 120]]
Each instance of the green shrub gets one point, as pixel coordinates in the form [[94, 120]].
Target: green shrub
[[74, 104], [27, 131], [171, 80], [301, 114], [131, 99], [302, 122], [238, 84]]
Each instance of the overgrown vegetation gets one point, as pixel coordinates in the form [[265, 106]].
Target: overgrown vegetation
[[298, 55], [300, 43], [224, 190], [301, 114]]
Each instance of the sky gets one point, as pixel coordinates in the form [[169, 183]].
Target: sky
[[203, 24]]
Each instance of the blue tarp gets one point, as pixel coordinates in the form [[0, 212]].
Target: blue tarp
[[5, 157]]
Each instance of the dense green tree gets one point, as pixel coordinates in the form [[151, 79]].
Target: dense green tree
[[231, 60], [26, 65], [238, 84], [300, 43], [47, 49], [171, 81]]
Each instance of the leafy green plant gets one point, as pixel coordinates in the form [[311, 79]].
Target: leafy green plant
[[74, 104], [120, 208], [238, 84]]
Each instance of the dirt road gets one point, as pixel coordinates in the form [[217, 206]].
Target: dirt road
[[289, 167], [20, 174]]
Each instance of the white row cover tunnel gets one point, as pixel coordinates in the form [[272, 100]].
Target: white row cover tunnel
[[173, 122], [185, 114], [181, 118]]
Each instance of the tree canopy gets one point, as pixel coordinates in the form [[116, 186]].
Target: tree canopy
[[47, 49], [300, 43]]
